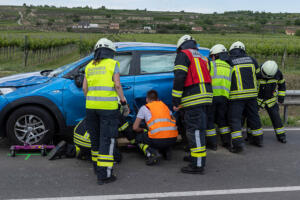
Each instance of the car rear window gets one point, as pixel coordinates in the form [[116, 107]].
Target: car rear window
[[157, 62]]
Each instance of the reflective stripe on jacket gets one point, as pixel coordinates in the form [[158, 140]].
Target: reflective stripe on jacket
[[270, 89], [101, 91], [161, 125], [220, 73], [198, 69], [243, 80]]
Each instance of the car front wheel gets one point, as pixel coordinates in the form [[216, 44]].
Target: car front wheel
[[30, 125]]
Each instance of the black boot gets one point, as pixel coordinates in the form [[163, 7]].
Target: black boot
[[190, 169], [107, 180], [237, 147], [153, 158], [187, 158], [95, 168], [167, 153], [58, 151], [281, 138], [257, 141]]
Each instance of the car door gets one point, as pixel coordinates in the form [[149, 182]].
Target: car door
[[74, 99], [155, 72]]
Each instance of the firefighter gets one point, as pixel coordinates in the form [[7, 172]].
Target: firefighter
[[220, 72], [242, 98], [192, 92], [81, 148], [101, 87], [271, 88], [162, 131]]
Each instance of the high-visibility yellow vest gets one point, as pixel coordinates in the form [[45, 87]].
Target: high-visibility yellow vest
[[101, 88], [220, 73]]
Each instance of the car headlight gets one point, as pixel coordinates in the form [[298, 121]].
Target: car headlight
[[4, 91]]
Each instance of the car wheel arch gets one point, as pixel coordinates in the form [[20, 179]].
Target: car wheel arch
[[38, 101]]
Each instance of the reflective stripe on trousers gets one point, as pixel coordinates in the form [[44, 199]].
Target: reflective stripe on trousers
[[236, 134], [279, 130], [211, 132], [257, 132], [224, 130]]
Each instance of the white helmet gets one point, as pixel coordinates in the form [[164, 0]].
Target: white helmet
[[237, 45], [269, 69], [218, 48], [183, 39], [106, 43]]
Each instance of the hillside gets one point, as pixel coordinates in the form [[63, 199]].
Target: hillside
[[102, 20]]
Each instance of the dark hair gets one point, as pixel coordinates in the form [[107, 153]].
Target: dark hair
[[152, 95]]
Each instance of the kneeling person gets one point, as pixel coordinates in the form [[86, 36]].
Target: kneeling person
[[162, 131], [81, 148]]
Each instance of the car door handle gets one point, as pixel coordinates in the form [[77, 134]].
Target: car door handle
[[126, 87]]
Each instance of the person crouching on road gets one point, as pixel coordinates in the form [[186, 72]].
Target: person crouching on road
[[220, 72], [192, 92], [102, 86], [162, 131], [81, 148], [271, 88]]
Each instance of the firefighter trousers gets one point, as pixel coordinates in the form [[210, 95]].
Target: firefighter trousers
[[152, 146], [217, 114], [276, 120], [195, 123], [103, 128], [249, 108]]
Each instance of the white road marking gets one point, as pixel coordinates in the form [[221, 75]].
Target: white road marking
[[179, 194]]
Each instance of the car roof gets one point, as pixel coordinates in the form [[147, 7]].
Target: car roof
[[146, 46]]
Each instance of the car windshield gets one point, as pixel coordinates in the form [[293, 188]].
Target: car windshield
[[59, 70]]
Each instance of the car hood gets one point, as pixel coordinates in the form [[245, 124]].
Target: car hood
[[24, 79]]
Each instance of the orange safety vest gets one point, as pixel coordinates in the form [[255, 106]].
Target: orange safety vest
[[161, 125]]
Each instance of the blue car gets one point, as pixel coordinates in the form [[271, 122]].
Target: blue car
[[36, 106]]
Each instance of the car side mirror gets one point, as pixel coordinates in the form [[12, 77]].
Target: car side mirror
[[79, 80]]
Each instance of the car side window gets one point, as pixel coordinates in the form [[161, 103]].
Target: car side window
[[124, 60], [157, 62]]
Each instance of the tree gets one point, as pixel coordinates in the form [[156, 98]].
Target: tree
[[297, 22], [76, 18]]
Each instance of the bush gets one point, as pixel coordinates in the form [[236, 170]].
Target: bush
[[297, 22], [297, 33]]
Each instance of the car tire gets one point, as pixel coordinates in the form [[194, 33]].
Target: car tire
[[31, 125]]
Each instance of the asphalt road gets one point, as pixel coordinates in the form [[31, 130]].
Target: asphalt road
[[271, 172]]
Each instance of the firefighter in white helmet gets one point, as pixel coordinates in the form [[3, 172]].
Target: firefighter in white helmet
[[191, 93], [271, 88], [242, 98], [102, 86], [220, 72]]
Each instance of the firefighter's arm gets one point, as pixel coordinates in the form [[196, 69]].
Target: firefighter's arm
[[85, 86], [136, 125], [180, 73], [281, 88]]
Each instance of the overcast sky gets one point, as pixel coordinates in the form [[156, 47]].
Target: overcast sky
[[200, 6]]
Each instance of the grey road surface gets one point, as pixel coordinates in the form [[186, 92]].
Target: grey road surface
[[274, 165]]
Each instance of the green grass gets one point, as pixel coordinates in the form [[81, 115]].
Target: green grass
[[17, 66]]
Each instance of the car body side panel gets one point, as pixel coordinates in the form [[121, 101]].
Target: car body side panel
[[162, 83]]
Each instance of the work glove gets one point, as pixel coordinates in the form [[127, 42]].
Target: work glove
[[125, 110]]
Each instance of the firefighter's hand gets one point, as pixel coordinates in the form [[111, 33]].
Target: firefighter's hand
[[176, 108]]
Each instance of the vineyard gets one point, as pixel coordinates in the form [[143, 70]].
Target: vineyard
[[39, 48]]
